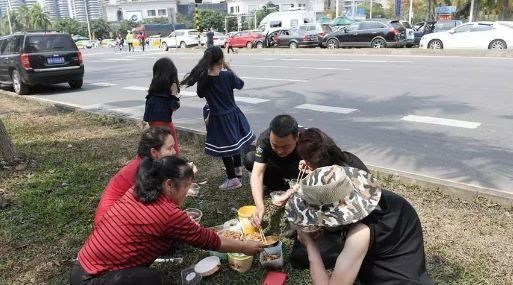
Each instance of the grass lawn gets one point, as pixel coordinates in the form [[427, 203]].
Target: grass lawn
[[69, 157]]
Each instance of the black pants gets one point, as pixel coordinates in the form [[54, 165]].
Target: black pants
[[230, 163], [130, 47], [228, 48], [135, 276], [275, 174]]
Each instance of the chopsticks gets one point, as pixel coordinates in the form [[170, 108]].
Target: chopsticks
[[301, 175], [262, 234]]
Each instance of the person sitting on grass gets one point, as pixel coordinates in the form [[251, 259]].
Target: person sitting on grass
[[155, 143], [143, 225], [384, 242]]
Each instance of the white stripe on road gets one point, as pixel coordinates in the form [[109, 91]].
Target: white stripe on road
[[138, 88], [343, 60], [187, 94], [119, 59], [273, 79], [103, 84], [441, 121], [292, 67], [322, 108], [250, 100]]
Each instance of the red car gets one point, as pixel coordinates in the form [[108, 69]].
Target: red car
[[244, 39]]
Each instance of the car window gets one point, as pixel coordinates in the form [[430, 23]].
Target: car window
[[407, 25], [179, 34], [3, 45], [397, 25], [353, 26], [275, 24], [326, 29], [463, 29], [294, 23], [481, 28], [193, 33], [445, 25], [48, 42]]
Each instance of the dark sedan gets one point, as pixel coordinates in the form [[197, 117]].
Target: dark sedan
[[294, 38], [370, 33]]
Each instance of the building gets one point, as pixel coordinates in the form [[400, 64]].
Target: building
[[187, 9], [249, 6], [58, 9], [117, 10]]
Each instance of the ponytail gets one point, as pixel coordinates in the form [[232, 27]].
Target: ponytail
[[199, 74], [152, 173]]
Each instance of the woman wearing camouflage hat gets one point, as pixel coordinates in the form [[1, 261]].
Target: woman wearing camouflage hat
[[384, 243]]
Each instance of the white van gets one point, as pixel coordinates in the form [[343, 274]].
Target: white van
[[285, 20]]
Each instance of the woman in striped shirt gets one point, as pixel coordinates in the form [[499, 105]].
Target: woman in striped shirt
[[143, 224]]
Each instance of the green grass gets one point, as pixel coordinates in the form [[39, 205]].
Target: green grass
[[71, 156]]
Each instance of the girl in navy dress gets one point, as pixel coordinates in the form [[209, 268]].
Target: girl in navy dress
[[162, 99], [228, 130]]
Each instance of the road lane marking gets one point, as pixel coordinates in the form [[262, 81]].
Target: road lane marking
[[187, 94], [441, 121], [119, 59], [345, 60], [323, 108], [102, 84], [292, 67], [273, 79], [138, 88], [250, 100]]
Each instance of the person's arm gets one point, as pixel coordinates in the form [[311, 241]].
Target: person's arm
[[237, 82], [257, 190], [248, 247], [348, 262]]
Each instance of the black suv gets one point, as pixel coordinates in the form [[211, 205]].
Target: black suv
[[28, 59], [370, 33]]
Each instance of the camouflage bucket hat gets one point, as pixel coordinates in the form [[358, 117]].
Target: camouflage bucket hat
[[333, 196]]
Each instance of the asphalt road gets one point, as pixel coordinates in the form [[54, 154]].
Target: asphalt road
[[446, 117]]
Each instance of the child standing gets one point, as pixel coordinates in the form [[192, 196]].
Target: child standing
[[228, 130], [162, 99]]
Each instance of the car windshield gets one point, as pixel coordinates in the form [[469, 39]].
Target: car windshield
[[406, 25], [444, 26], [49, 42]]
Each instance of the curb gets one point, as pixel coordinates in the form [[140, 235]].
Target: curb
[[455, 189]]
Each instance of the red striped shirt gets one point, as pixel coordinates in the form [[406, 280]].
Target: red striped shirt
[[132, 234], [117, 187]]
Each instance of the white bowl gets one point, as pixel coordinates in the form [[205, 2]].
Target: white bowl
[[208, 266]]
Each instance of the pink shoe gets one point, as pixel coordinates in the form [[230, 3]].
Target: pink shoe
[[230, 184]]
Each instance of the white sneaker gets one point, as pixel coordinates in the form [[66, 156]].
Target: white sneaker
[[238, 171], [230, 184]]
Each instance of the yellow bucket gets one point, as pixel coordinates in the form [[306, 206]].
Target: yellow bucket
[[245, 214]]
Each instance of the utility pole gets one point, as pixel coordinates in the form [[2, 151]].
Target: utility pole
[[337, 8], [87, 19], [9, 16], [353, 8], [370, 14], [470, 18], [410, 14]]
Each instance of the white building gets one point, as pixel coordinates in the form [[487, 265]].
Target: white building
[[138, 11], [249, 6]]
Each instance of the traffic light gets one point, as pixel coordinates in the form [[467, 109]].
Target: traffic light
[[197, 18]]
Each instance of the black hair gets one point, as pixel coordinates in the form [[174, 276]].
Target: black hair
[[284, 125], [152, 138], [319, 149], [199, 74], [164, 75], [152, 173]]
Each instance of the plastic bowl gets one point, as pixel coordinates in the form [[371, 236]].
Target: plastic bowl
[[275, 195], [240, 262], [271, 241], [194, 214], [194, 190], [208, 266], [266, 257]]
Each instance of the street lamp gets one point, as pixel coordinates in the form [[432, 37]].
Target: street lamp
[[87, 19], [9, 15]]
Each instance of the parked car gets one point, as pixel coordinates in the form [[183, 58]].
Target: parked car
[[247, 39], [424, 28], [369, 33], [295, 38], [29, 59], [285, 20], [180, 38], [508, 24], [320, 29], [108, 43], [410, 36], [219, 39], [476, 35], [442, 26]]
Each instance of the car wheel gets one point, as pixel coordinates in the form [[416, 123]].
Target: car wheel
[[183, 45], [249, 45], [435, 44], [19, 87], [332, 43], [498, 44], [260, 45], [378, 43], [76, 84], [293, 45], [165, 47]]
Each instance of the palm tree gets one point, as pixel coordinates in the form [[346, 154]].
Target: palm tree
[[39, 19], [15, 23], [24, 17]]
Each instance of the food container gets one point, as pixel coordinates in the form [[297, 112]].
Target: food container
[[272, 257], [193, 190], [271, 241], [226, 234], [293, 183], [240, 262], [275, 195], [194, 214], [245, 214], [190, 277], [233, 225], [207, 266]]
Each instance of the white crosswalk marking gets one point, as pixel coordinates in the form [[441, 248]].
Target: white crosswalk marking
[[102, 84], [273, 79], [441, 121], [138, 88], [250, 100], [323, 108], [291, 67]]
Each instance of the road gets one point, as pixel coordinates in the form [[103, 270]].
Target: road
[[445, 117]]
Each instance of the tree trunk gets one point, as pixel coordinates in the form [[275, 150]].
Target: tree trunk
[[7, 151]]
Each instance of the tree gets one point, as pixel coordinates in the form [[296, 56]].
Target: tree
[[39, 20], [15, 23], [124, 26], [70, 26], [24, 17], [101, 28], [159, 20], [377, 10], [211, 19], [7, 151], [182, 19]]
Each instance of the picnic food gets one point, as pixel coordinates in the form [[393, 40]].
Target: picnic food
[[230, 234], [240, 262], [254, 236], [270, 257], [271, 240], [194, 214]]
